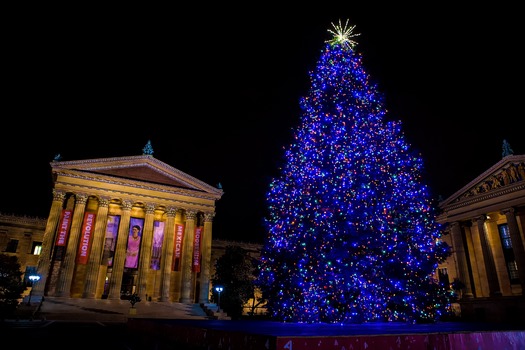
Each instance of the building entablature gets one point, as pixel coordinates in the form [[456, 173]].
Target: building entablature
[[501, 186]]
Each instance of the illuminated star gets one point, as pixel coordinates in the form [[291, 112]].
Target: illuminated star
[[342, 35]]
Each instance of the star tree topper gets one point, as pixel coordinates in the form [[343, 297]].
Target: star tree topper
[[342, 35]]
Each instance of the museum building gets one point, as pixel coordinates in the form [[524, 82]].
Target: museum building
[[87, 247], [484, 224], [124, 226]]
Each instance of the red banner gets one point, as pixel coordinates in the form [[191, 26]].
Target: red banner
[[177, 248], [65, 224], [85, 240], [196, 264]]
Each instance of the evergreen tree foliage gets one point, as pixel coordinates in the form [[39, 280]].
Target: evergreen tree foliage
[[352, 235], [11, 285], [234, 271]]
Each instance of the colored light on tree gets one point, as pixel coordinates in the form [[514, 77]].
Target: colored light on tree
[[352, 235]]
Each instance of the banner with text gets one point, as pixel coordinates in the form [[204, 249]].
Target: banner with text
[[84, 246], [196, 261], [177, 247], [63, 228]]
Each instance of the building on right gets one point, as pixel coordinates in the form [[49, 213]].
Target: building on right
[[484, 224]]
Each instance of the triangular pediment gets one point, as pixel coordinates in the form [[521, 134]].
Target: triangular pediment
[[504, 176], [137, 168]]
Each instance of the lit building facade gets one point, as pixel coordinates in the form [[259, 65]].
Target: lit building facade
[[21, 236], [124, 226], [484, 224]]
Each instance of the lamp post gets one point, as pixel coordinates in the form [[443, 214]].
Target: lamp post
[[33, 279], [219, 289]]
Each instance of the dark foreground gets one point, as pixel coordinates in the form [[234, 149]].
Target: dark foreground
[[262, 335], [158, 334], [61, 335]]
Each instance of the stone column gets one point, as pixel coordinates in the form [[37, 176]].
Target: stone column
[[68, 267], [517, 244], [459, 249], [48, 243], [95, 256], [488, 258], [206, 259], [187, 258], [167, 254], [145, 251], [115, 281]]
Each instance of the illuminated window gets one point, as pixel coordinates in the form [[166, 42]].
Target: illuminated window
[[37, 248], [508, 253]]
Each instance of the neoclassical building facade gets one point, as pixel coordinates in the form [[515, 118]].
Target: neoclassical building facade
[[127, 225], [484, 224]]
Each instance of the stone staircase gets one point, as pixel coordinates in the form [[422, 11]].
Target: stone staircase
[[213, 311]]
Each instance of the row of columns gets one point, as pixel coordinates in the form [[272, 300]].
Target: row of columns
[[187, 276], [464, 264]]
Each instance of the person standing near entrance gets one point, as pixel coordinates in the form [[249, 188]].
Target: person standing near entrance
[[132, 252]]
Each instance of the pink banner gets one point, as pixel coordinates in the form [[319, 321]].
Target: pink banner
[[156, 250], [65, 224], [110, 240], [85, 240], [134, 242]]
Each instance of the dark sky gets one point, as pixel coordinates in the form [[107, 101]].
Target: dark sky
[[217, 90]]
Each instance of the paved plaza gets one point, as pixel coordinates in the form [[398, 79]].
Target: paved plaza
[[68, 323]]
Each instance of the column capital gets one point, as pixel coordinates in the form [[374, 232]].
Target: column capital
[[58, 196], [479, 218], [81, 198], [150, 208], [208, 217], [191, 214], [508, 211], [127, 205], [454, 224], [171, 211], [103, 201]]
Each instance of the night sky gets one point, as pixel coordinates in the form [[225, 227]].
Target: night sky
[[217, 93]]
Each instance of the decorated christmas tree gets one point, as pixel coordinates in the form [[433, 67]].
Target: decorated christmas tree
[[352, 235]]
